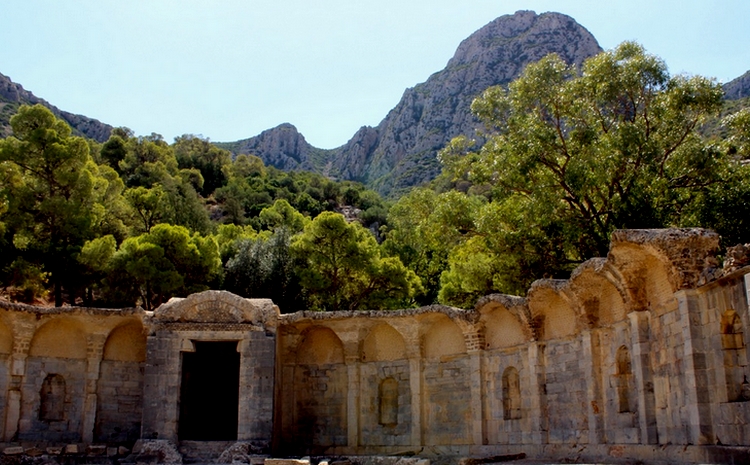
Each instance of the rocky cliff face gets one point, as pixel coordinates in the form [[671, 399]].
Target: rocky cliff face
[[402, 150], [12, 95], [738, 88], [282, 147]]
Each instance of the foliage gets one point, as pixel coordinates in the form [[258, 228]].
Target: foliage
[[423, 228], [340, 268], [56, 199], [150, 268], [264, 268], [570, 157]]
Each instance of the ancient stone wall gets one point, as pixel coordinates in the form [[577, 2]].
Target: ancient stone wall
[[640, 354]]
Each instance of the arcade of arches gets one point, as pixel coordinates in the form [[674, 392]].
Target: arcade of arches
[[634, 351]]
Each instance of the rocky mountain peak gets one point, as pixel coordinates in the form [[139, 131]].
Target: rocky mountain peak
[[402, 150], [282, 147]]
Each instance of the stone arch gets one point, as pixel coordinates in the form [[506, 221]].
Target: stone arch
[[601, 301], [511, 394], [503, 329], [126, 343], [388, 402], [624, 377], [735, 357], [383, 343], [52, 398], [444, 338], [320, 346], [648, 276], [59, 338], [552, 313], [320, 391], [118, 420], [6, 339]]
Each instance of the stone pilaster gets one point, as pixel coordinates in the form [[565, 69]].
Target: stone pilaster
[[538, 394], [476, 382], [591, 344], [697, 387], [352, 401], [415, 384], [94, 351], [640, 329]]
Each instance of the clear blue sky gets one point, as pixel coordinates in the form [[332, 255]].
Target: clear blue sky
[[230, 69]]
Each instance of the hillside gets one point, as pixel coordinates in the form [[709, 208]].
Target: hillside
[[13, 95]]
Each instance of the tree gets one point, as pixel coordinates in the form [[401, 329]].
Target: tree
[[340, 267], [573, 156], [281, 214], [195, 152], [424, 227], [264, 268], [56, 197], [166, 261]]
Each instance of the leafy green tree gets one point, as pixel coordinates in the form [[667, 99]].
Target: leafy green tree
[[573, 156], [56, 196], [264, 268], [165, 262], [340, 267], [281, 214], [424, 227], [197, 153]]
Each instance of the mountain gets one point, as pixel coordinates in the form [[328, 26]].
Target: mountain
[[402, 150], [13, 95], [738, 88]]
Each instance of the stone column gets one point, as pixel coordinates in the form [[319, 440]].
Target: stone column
[[23, 332], [476, 381], [415, 385], [640, 329], [538, 393], [94, 352], [592, 361], [352, 402], [698, 387]]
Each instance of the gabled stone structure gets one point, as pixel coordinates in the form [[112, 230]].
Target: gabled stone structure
[[638, 355]]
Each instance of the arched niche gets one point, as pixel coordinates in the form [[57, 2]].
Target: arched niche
[[624, 375], [735, 357], [601, 301], [126, 343], [6, 339], [444, 338], [511, 394], [647, 276], [552, 313], [383, 343], [59, 338], [52, 398], [388, 402], [503, 329], [320, 346]]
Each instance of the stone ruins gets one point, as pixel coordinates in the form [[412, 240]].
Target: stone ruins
[[639, 355]]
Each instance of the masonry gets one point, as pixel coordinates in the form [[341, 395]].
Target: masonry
[[641, 354]]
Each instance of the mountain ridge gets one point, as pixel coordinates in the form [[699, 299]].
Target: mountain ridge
[[13, 94], [401, 151]]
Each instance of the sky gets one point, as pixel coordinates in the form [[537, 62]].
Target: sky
[[228, 70]]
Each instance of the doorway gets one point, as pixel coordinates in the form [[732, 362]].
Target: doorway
[[209, 393]]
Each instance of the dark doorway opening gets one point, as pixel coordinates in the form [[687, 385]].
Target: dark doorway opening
[[209, 394]]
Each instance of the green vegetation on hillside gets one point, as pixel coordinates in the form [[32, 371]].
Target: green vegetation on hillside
[[569, 155]]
